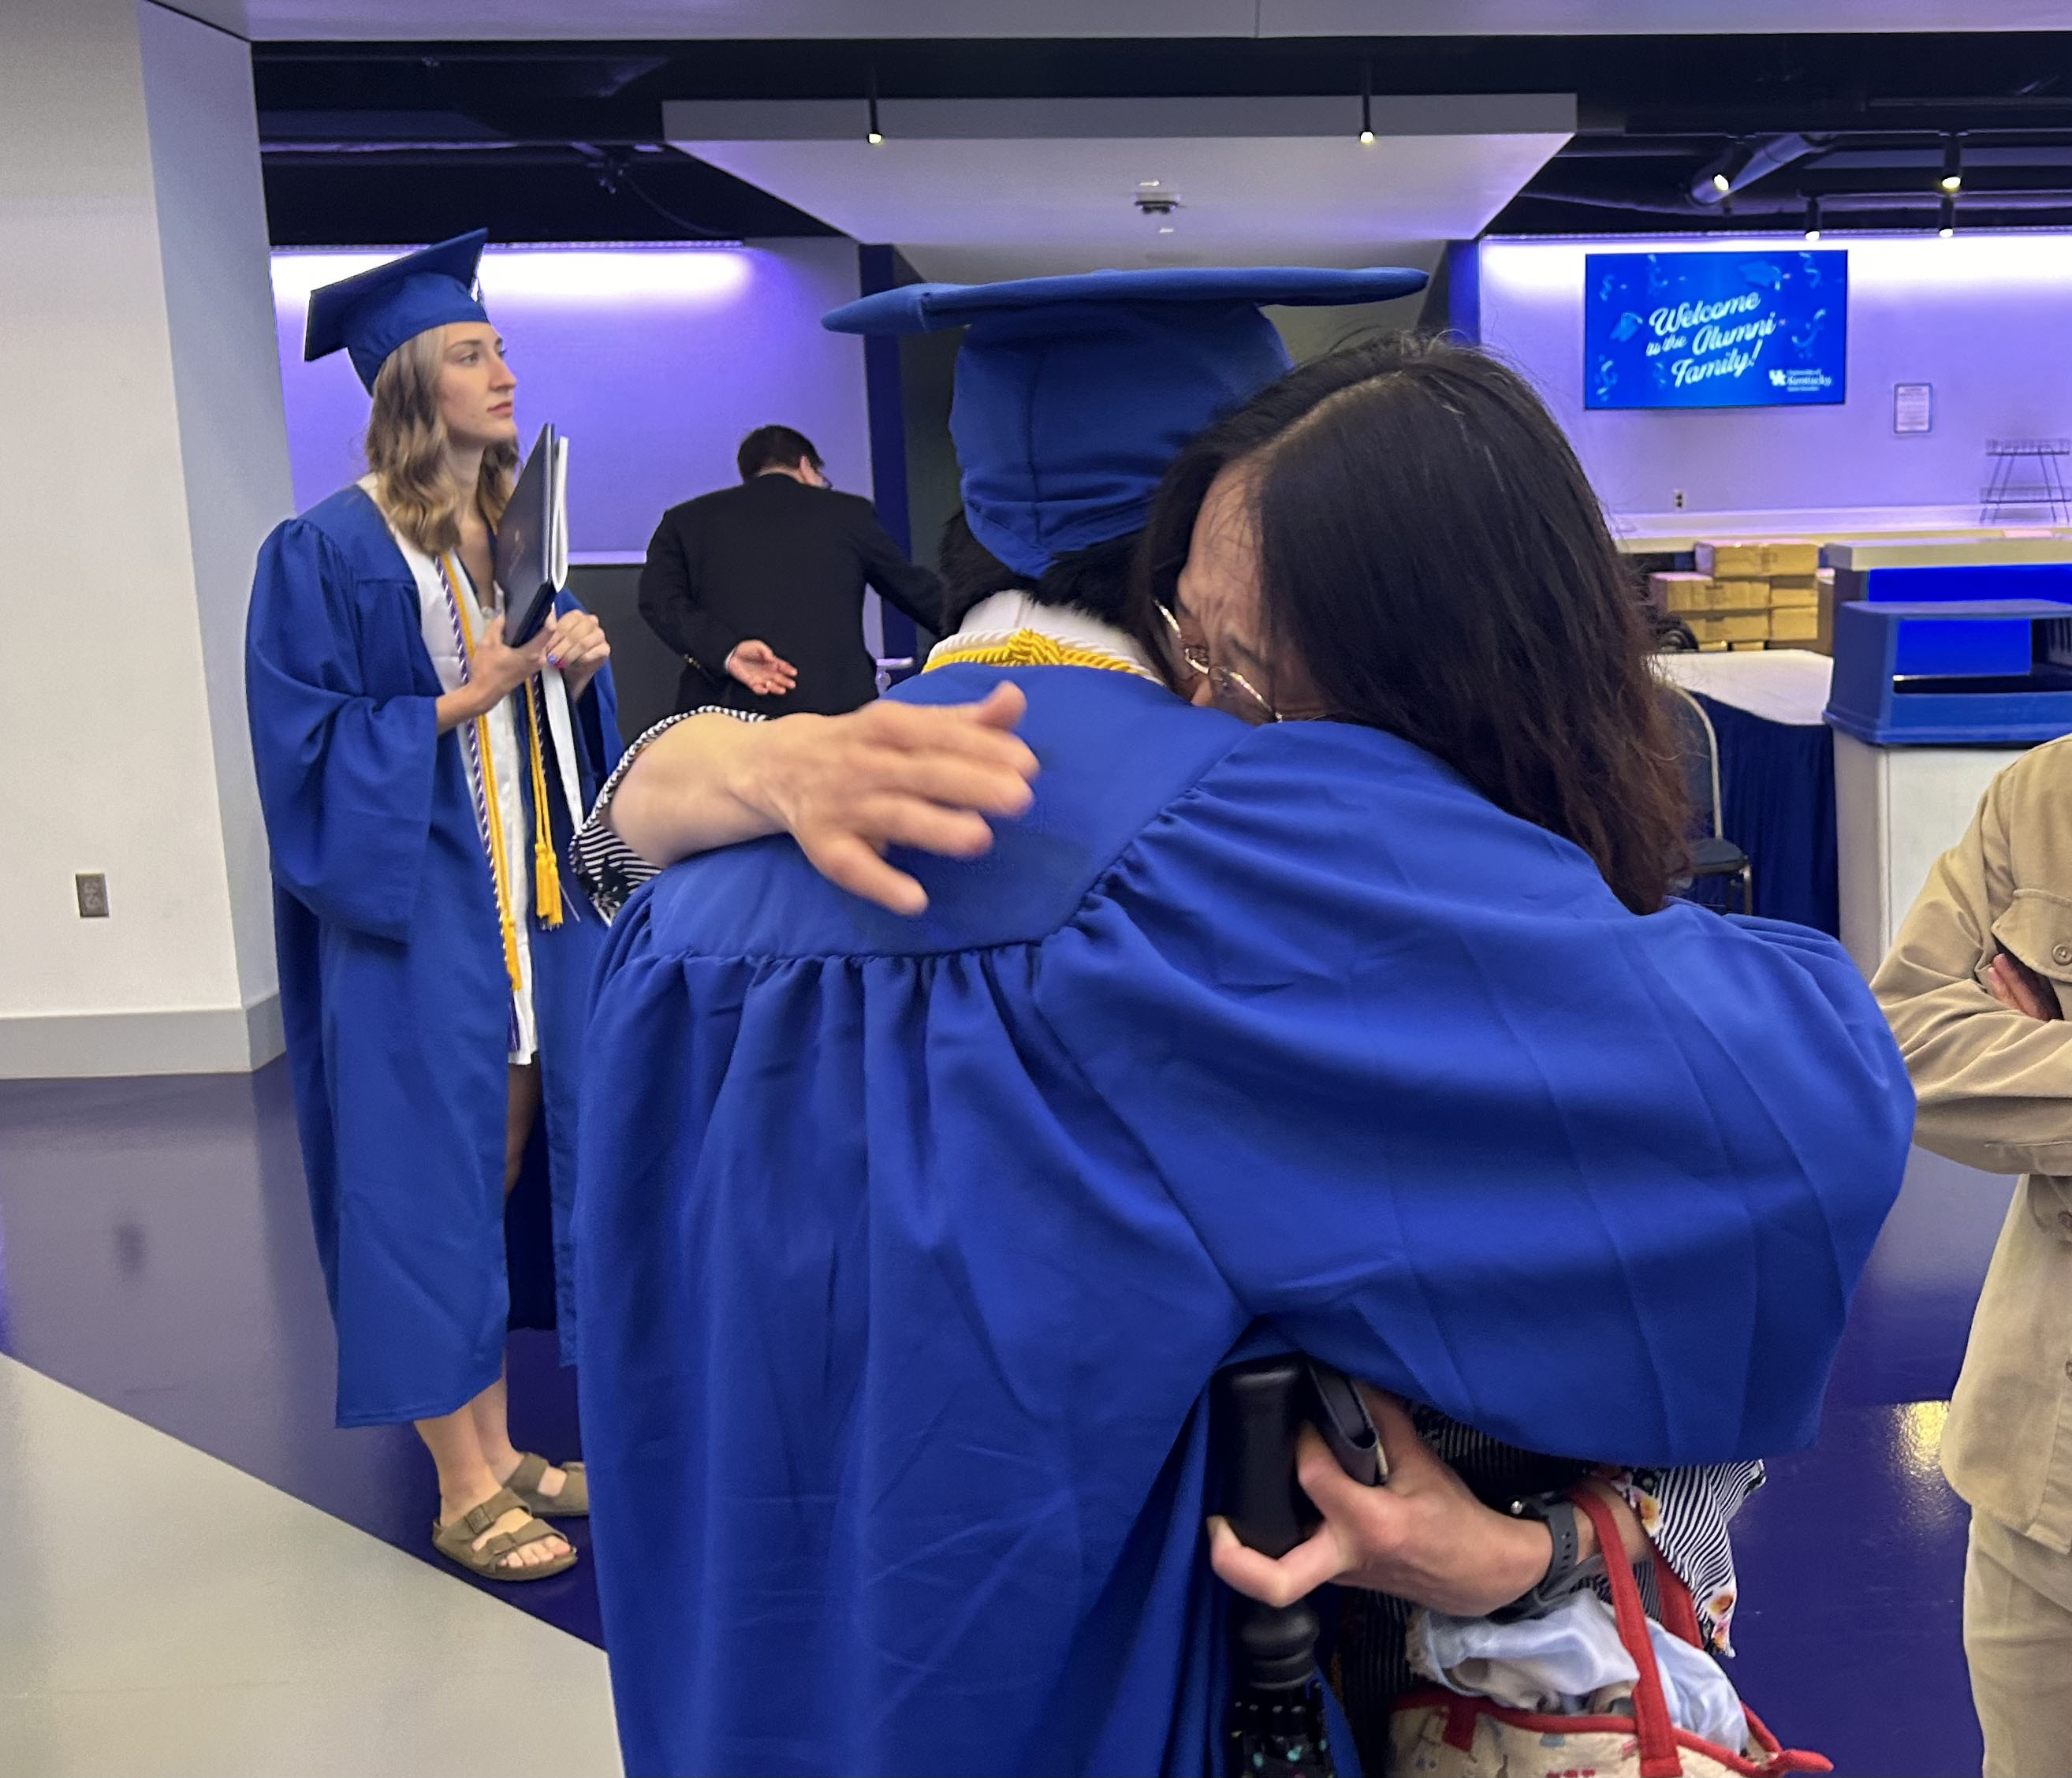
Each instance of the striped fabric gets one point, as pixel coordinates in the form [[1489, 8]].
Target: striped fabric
[[1685, 1513], [608, 869]]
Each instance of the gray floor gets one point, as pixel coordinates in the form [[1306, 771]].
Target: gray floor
[[162, 1613]]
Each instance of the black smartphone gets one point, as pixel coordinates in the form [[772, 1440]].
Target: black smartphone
[[1341, 1416]]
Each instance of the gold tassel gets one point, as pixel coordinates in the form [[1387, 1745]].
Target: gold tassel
[[546, 872]]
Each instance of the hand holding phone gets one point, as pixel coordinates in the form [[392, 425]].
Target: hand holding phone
[[1341, 1416]]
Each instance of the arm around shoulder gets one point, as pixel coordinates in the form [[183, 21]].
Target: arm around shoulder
[[1428, 1036]]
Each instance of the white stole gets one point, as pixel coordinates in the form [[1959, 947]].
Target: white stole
[[439, 641]]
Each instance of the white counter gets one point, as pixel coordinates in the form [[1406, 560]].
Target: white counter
[[1787, 685], [1896, 810]]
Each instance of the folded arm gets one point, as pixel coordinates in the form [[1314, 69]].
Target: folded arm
[[1992, 1068]]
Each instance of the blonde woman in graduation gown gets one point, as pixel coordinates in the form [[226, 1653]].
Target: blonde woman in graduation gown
[[420, 780]]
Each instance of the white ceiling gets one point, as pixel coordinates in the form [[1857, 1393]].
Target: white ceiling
[[364, 21], [973, 190]]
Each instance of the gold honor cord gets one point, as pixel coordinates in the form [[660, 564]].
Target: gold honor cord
[[546, 873], [1029, 648], [499, 862]]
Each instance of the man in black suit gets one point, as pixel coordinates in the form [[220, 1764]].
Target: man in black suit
[[760, 587]]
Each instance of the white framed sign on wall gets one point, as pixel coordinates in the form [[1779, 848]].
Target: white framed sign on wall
[[1913, 407]]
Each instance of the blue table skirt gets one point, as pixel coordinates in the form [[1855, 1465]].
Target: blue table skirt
[[1777, 801]]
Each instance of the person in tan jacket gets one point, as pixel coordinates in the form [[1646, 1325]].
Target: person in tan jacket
[[1976, 988]]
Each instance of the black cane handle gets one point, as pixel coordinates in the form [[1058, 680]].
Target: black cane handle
[[1257, 1410]]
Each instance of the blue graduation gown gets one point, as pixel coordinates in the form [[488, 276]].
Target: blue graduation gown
[[907, 1248], [392, 983]]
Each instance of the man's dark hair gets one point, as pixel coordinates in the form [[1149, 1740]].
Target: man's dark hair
[[1431, 551], [1094, 580], [773, 447]]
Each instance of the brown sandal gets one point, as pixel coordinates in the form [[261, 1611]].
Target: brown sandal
[[572, 1502], [456, 1541]]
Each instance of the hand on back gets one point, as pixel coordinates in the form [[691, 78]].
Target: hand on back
[[847, 788], [760, 668]]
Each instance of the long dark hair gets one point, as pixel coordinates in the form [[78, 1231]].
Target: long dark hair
[[1431, 552]]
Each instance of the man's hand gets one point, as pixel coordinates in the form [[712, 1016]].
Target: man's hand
[[2019, 988], [846, 788], [576, 644], [1422, 1537], [760, 668]]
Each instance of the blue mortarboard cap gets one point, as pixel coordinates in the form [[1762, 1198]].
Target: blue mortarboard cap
[[1074, 394], [373, 312]]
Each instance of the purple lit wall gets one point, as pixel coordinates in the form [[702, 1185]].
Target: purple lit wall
[[1981, 318], [653, 361]]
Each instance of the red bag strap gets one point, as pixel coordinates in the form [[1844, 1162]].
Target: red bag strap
[[1658, 1757], [1680, 1611]]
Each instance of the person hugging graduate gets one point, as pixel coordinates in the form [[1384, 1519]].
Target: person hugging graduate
[[419, 777], [916, 1222]]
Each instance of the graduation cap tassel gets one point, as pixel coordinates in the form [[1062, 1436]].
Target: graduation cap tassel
[[546, 873]]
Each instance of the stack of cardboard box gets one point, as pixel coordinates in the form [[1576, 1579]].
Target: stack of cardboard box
[[1747, 595]]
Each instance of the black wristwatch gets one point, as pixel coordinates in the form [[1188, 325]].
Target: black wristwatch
[[1565, 1575]]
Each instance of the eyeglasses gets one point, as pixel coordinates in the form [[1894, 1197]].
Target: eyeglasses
[[1222, 680]]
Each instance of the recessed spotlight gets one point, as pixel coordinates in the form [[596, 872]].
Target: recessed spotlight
[[1722, 184]]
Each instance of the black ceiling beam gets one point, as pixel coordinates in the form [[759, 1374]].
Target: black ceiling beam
[[384, 143]]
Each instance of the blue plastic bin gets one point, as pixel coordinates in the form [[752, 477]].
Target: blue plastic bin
[[1979, 673]]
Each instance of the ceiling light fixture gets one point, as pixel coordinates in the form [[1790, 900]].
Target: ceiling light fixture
[[873, 135], [1745, 163], [1812, 219], [1949, 216], [1953, 164], [1366, 104]]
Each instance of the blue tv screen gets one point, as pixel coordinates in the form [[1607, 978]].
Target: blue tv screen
[[1715, 329]]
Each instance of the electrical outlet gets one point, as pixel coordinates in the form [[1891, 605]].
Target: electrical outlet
[[1677, 495], [93, 890]]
